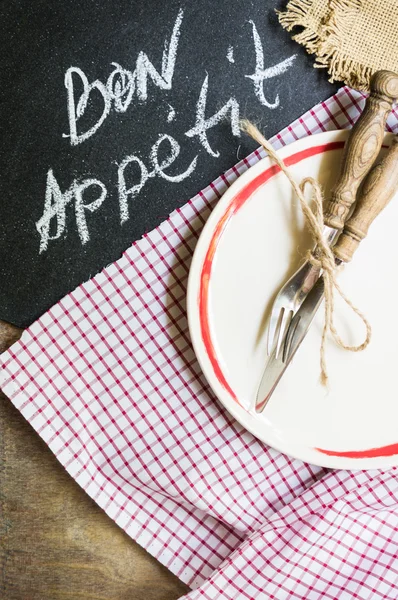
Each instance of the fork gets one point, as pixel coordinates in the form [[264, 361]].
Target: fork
[[360, 151]]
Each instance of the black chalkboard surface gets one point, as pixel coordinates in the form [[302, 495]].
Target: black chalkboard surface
[[115, 112]]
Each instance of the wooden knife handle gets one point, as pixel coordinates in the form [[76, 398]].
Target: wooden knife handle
[[379, 187], [362, 147]]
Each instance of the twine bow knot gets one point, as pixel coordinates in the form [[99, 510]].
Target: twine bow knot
[[321, 258]]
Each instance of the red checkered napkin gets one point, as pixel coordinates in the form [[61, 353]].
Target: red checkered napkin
[[109, 380]]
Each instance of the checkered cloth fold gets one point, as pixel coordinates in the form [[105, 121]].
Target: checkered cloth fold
[[109, 380]]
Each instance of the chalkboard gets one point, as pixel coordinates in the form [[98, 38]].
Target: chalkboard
[[115, 112]]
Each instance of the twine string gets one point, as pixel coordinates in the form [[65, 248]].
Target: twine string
[[322, 257]]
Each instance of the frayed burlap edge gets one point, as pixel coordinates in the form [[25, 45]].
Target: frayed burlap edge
[[322, 35]]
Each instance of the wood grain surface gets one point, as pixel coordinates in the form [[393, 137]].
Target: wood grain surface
[[55, 542], [362, 147], [379, 188]]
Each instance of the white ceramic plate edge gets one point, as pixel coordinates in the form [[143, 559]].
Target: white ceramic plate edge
[[244, 417]]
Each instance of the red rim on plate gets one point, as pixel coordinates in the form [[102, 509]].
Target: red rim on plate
[[235, 204]]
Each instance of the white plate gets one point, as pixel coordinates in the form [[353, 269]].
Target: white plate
[[253, 240]]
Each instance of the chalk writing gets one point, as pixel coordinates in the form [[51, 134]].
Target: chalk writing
[[55, 207], [261, 74], [171, 115], [117, 94], [126, 194], [231, 109], [120, 87]]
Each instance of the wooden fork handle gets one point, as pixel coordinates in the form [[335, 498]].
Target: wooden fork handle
[[362, 147], [379, 187]]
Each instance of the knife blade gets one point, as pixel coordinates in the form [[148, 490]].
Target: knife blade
[[379, 187]]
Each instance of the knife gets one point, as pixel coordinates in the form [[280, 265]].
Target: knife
[[379, 187]]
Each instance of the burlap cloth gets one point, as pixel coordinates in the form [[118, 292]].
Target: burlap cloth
[[351, 38]]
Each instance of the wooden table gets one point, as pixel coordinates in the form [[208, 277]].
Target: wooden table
[[55, 542]]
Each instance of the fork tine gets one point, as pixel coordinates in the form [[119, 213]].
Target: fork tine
[[286, 317], [272, 328], [289, 298]]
